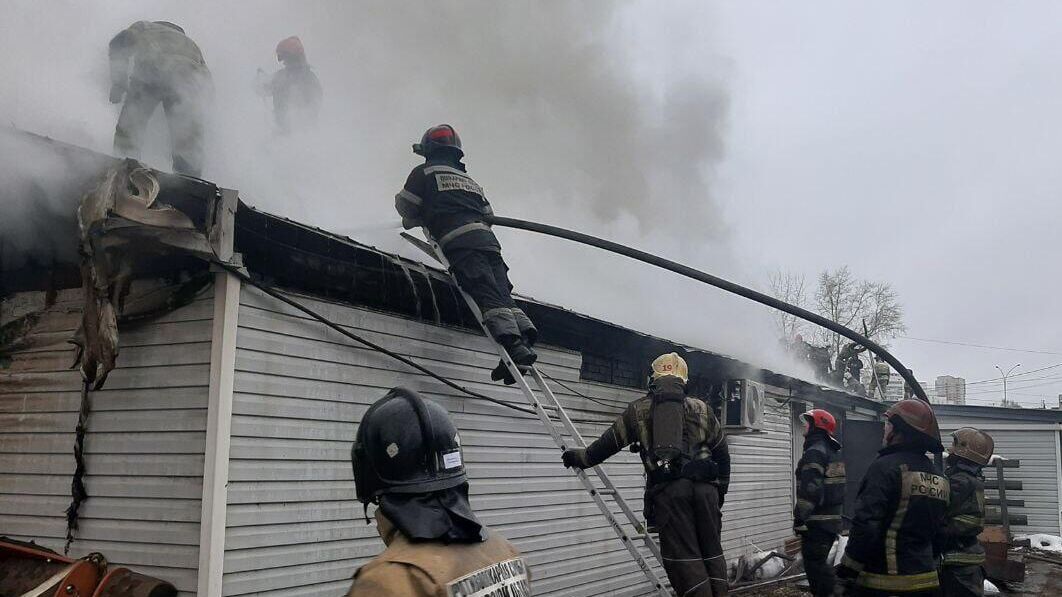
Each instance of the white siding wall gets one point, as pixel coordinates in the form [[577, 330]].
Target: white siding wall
[[144, 447], [294, 527], [1036, 448], [758, 514]]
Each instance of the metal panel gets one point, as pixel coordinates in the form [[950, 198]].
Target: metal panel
[[294, 528], [144, 447], [1034, 446]]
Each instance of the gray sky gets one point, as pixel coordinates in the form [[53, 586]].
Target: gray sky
[[915, 143]]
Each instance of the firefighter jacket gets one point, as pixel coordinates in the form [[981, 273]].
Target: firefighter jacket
[[297, 94], [440, 195], [162, 56], [707, 457], [434, 569], [900, 507], [957, 539], [820, 485]]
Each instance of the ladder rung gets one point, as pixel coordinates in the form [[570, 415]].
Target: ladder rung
[[606, 491]]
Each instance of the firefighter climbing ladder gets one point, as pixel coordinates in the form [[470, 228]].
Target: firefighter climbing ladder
[[598, 494]]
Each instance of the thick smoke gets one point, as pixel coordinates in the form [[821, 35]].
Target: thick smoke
[[562, 117]]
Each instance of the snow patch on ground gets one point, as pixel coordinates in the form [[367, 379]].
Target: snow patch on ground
[[1044, 542], [991, 589]]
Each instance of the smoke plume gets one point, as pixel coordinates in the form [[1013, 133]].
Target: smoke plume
[[567, 117]]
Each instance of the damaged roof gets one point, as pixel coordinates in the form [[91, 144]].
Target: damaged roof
[[295, 256]]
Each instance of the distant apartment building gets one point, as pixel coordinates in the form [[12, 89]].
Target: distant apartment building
[[951, 390]]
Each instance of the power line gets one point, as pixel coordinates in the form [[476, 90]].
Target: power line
[[266, 288], [1031, 371], [998, 385], [953, 343], [1035, 385]]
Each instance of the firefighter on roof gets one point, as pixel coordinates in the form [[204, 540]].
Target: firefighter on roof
[[168, 69], [961, 574], [899, 510], [820, 498], [687, 464], [407, 460], [440, 195], [295, 89]]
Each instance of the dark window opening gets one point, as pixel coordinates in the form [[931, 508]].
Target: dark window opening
[[614, 371]]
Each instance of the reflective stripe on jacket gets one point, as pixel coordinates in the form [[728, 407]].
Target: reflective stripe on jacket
[[440, 195], [900, 507]]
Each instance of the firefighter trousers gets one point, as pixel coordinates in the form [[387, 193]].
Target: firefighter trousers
[[815, 547], [962, 581], [687, 514], [484, 275], [184, 114]]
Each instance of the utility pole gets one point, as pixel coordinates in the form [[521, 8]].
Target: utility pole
[[1009, 371]]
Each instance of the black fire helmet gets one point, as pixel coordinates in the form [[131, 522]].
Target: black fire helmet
[[405, 444], [436, 138]]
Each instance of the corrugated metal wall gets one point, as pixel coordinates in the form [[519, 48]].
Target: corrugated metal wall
[[144, 448], [294, 527], [1036, 448]]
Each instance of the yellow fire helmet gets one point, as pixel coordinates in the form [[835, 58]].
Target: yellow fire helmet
[[670, 364]]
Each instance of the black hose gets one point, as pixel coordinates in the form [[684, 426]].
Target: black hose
[[322, 319], [726, 285]]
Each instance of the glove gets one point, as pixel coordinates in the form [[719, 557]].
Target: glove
[[574, 457], [117, 91], [636, 447]]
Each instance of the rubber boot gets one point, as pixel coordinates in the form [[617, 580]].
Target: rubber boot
[[521, 354], [501, 373]]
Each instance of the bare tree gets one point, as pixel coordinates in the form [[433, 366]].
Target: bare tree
[[791, 288], [851, 302]]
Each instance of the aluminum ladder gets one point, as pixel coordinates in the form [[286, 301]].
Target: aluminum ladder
[[598, 495]]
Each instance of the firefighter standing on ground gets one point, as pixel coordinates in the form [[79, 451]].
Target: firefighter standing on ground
[[961, 574], [168, 68], [820, 498], [687, 464], [407, 460], [295, 89], [900, 507], [441, 196]]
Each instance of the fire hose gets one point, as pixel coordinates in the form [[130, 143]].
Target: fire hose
[[718, 282]]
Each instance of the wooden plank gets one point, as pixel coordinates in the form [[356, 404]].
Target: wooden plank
[[365, 321], [107, 399], [159, 509], [1010, 502], [1010, 485], [104, 464]]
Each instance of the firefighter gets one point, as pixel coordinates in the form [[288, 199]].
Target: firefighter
[[820, 498], [687, 464], [295, 89], [961, 574], [168, 68], [407, 460], [900, 507], [848, 362], [440, 195], [880, 380]]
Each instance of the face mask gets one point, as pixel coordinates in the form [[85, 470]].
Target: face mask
[[887, 435], [807, 427]]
